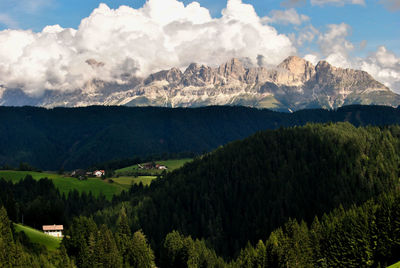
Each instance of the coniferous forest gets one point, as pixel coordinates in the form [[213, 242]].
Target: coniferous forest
[[71, 138], [318, 195]]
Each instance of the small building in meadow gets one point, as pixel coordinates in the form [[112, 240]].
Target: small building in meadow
[[149, 165], [99, 173], [53, 230]]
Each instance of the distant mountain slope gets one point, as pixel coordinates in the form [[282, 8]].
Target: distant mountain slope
[[292, 85], [79, 137]]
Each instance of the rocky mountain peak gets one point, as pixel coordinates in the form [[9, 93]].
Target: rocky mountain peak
[[172, 75], [324, 66], [296, 71], [301, 69], [197, 75], [346, 79], [232, 69], [193, 67], [296, 65]]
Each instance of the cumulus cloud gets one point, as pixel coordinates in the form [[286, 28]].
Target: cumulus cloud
[[383, 65], [285, 17], [116, 45], [304, 35], [337, 2], [392, 5], [334, 45]]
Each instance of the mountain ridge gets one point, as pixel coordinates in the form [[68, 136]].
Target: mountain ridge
[[71, 138], [292, 85]]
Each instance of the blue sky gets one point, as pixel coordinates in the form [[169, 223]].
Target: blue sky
[[371, 22]]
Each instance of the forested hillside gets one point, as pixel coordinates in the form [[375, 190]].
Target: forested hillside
[[69, 138], [246, 189], [320, 195]]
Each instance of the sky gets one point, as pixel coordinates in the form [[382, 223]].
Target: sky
[[60, 45]]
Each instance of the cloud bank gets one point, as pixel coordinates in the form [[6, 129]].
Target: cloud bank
[[116, 45]]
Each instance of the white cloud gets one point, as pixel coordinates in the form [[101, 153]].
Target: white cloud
[[334, 46], [337, 2], [304, 35], [135, 42], [285, 17], [392, 5], [384, 65]]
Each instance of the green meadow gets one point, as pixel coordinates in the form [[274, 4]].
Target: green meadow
[[170, 164], [38, 237], [66, 184], [128, 181]]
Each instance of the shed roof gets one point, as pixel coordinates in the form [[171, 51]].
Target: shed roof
[[53, 227]]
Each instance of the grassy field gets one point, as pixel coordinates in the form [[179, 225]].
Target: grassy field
[[128, 181], [66, 184], [95, 185], [35, 236], [396, 265], [170, 164]]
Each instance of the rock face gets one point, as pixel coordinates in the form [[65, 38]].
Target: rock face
[[294, 84]]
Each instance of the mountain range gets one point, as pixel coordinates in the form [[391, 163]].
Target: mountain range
[[292, 85]]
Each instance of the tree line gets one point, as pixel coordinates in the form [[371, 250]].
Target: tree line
[[72, 138]]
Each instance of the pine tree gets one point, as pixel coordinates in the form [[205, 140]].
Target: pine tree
[[173, 251], [123, 237], [143, 255], [261, 255], [7, 246], [106, 252]]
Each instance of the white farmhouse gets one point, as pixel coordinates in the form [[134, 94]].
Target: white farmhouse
[[53, 230], [99, 173]]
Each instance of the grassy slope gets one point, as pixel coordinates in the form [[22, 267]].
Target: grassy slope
[[128, 181], [170, 164], [66, 184], [51, 243], [396, 265]]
